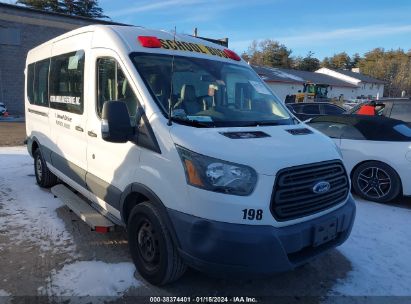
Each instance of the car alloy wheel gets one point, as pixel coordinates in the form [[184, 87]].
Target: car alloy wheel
[[374, 182]]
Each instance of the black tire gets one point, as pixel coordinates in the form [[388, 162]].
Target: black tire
[[153, 251], [376, 181], [44, 177]]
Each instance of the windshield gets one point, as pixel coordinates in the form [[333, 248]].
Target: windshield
[[209, 93]]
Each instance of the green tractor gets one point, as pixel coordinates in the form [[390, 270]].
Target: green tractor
[[312, 93]]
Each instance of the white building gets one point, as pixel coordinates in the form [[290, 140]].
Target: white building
[[367, 87], [281, 82], [285, 82]]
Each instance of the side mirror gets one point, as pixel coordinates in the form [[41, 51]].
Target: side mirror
[[116, 126]]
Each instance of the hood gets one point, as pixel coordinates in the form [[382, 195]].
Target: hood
[[267, 152]]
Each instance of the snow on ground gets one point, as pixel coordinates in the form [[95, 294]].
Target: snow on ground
[[379, 250], [4, 293], [91, 278], [30, 211], [28, 214], [5, 297]]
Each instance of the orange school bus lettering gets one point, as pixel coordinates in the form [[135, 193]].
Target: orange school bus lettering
[[191, 47]]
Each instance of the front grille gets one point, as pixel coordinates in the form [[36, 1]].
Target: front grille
[[293, 194]]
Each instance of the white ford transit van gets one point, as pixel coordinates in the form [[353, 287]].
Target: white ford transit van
[[180, 141]]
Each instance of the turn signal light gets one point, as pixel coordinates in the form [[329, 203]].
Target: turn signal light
[[149, 41], [232, 55], [192, 173]]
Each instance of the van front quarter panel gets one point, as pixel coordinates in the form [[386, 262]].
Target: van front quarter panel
[[163, 173]]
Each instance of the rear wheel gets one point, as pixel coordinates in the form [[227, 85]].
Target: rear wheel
[[44, 177], [155, 255], [376, 181]]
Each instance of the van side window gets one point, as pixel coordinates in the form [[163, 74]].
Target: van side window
[[41, 83], [30, 83], [37, 83], [113, 85], [67, 82]]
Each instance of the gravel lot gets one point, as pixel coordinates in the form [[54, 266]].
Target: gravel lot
[[45, 250], [12, 133]]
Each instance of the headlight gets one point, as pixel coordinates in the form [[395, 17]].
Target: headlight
[[217, 175]]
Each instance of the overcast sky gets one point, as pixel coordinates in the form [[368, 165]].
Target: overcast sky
[[321, 26]]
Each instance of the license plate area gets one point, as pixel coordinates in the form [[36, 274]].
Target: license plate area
[[325, 232]]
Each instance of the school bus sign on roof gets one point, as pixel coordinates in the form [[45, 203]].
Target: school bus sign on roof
[[191, 47], [178, 45]]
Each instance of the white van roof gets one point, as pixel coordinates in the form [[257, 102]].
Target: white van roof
[[126, 39]]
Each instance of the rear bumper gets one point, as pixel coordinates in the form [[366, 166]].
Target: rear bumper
[[219, 247]]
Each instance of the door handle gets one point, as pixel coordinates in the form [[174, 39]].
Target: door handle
[[92, 134], [80, 129]]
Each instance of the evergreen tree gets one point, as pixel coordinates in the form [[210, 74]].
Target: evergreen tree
[[308, 63], [69, 7], [89, 8], [355, 60], [84, 8]]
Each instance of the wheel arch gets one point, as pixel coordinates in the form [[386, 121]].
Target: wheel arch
[[137, 193], [32, 145]]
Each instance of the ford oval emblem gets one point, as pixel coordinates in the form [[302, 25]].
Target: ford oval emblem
[[321, 187]]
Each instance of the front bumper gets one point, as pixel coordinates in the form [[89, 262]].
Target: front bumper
[[219, 247]]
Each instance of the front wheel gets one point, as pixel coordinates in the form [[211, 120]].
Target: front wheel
[[155, 255], [376, 181], [44, 177]]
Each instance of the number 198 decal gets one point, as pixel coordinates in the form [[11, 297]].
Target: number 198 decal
[[253, 214]]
